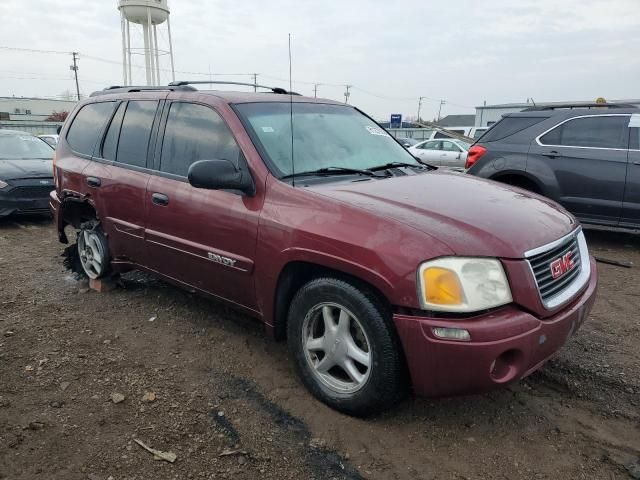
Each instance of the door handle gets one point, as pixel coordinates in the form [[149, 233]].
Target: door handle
[[551, 154], [636, 163], [94, 182], [160, 199]]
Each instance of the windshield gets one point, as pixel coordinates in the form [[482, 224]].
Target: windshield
[[23, 147], [323, 136]]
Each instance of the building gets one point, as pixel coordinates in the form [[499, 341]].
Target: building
[[30, 114], [456, 121], [487, 115]]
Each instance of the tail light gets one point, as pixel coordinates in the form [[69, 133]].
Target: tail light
[[474, 154]]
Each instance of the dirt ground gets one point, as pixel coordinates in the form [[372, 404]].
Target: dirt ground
[[228, 404]]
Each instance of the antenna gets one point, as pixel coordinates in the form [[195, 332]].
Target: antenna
[[293, 178]]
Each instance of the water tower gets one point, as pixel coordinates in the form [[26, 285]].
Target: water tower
[[149, 14]]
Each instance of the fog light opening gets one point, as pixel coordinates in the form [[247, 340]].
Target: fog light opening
[[452, 333], [505, 367]]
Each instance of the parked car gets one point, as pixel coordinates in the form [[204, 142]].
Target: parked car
[[50, 139], [407, 142], [442, 153], [26, 174], [587, 159], [372, 265]]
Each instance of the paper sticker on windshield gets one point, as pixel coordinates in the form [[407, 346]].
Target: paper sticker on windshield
[[375, 131], [268, 129], [634, 121]]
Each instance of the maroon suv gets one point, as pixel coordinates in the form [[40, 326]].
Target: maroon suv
[[381, 272]]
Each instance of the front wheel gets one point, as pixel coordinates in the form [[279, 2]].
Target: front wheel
[[345, 348]]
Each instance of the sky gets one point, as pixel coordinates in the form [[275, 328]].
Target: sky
[[463, 52]]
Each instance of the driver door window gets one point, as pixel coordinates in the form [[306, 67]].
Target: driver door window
[[195, 132], [431, 146]]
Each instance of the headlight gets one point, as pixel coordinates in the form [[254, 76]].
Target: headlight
[[3, 184], [458, 284]]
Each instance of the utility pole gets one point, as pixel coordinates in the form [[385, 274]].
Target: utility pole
[[442, 102], [255, 82], [347, 94], [74, 67], [315, 90], [420, 106]]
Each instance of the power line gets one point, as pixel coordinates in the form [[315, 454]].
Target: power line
[[34, 50], [253, 76]]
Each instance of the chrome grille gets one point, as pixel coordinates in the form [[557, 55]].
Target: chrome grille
[[540, 264]]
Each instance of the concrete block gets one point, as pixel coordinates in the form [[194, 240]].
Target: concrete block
[[102, 285]]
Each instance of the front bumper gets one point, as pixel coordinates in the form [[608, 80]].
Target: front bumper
[[25, 200], [506, 345]]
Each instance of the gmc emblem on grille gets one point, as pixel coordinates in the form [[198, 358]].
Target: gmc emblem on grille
[[562, 265]]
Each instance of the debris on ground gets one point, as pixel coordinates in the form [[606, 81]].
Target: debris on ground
[[149, 397], [117, 397], [616, 263], [158, 454], [228, 452]]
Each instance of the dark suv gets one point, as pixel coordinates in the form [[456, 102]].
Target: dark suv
[[305, 214], [586, 158]]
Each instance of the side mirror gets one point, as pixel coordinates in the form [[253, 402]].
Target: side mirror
[[220, 175], [59, 129]]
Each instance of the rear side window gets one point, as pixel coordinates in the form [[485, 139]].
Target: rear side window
[[135, 132], [508, 126], [86, 128], [110, 144], [450, 147], [599, 132], [195, 132]]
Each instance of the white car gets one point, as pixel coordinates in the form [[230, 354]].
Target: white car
[[450, 153]]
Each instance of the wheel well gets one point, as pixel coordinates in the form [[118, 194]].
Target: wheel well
[[76, 212], [519, 181], [294, 275]]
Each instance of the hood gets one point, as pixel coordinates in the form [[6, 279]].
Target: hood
[[14, 169], [471, 216]]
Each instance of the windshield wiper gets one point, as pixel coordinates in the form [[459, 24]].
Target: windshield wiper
[[333, 171], [401, 164]]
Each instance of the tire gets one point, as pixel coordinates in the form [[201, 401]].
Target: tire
[[360, 331], [93, 251]]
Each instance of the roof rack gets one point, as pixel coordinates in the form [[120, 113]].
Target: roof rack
[[578, 105], [134, 88], [184, 83]]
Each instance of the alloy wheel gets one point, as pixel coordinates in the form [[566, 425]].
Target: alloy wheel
[[336, 348], [92, 253]]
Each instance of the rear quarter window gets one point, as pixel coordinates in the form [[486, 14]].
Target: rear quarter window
[[85, 131], [509, 126]]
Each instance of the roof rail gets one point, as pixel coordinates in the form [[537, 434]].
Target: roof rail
[[134, 88], [183, 83], [578, 105]]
